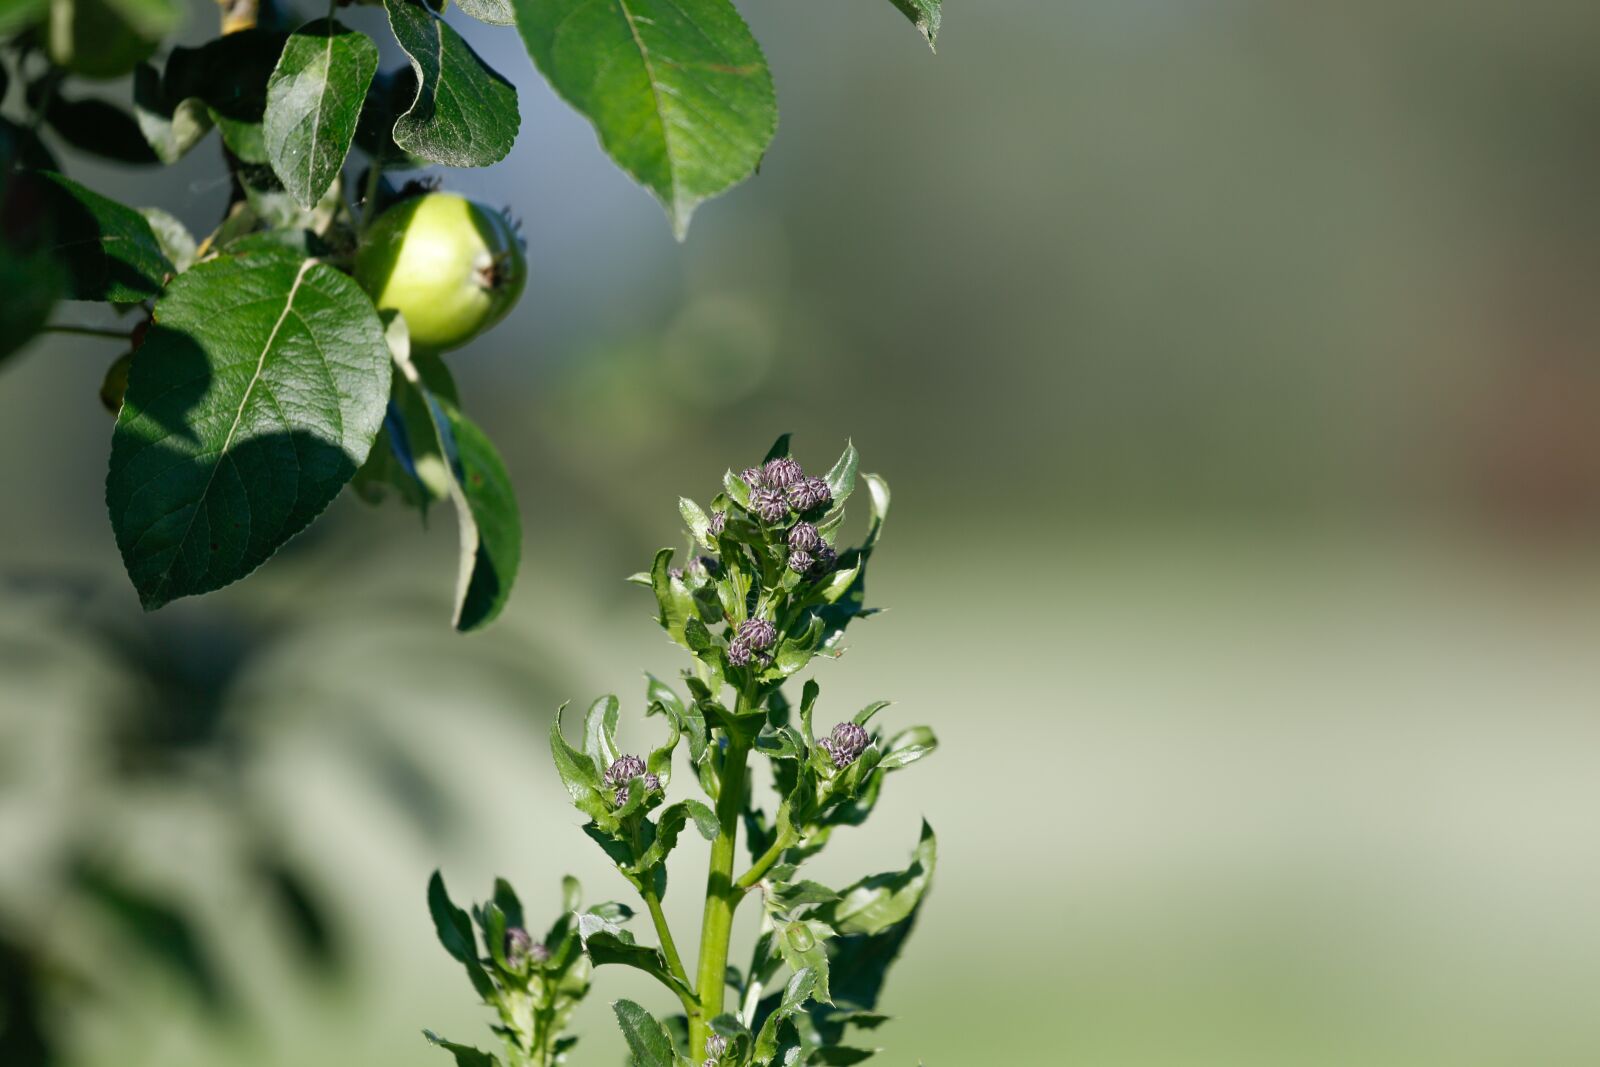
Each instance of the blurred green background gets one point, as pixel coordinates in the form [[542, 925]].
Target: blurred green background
[[1235, 367]]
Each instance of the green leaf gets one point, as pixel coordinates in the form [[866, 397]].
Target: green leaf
[[454, 929], [464, 114], [678, 90], [841, 477], [908, 746], [669, 825], [107, 248], [698, 522], [874, 904], [173, 237], [465, 1055], [32, 282], [691, 722], [600, 732], [799, 990], [647, 1039], [924, 15], [494, 12], [607, 943], [313, 101], [253, 399], [107, 38], [230, 74], [578, 774], [672, 597], [100, 128], [480, 488], [171, 127], [779, 449]]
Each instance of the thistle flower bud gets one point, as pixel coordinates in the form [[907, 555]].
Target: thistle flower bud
[[519, 946], [809, 494], [719, 521], [770, 504], [804, 537], [622, 770], [738, 653], [716, 1045], [800, 561], [758, 634], [753, 477], [675, 572], [824, 559], [782, 472], [845, 745]]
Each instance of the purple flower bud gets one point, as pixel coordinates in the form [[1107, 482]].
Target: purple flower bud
[[824, 559], [716, 1045], [804, 536], [675, 572], [770, 504], [846, 744], [738, 653], [518, 946], [759, 634], [810, 494], [753, 477], [622, 770], [782, 472], [800, 561], [719, 520]]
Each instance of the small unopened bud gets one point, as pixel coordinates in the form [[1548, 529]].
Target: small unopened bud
[[716, 1045], [810, 494], [753, 477], [623, 769], [824, 559], [719, 520], [846, 744], [675, 572], [518, 946], [738, 653], [782, 472], [804, 536], [800, 561], [770, 504], [759, 634]]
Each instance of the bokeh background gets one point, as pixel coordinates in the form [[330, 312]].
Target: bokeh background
[[1235, 367]]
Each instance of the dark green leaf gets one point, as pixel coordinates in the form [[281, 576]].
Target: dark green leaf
[[647, 1039], [678, 90], [874, 904], [32, 282], [607, 943], [107, 248], [464, 114], [841, 477], [691, 723], [170, 127], [465, 1055], [254, 398], [100, 128], [313, 101], [908, 746], [230, 74], [924, 15], [779, 449]]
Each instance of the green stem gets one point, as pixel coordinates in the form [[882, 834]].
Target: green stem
[[669, 948], [90, 331], [760, 867], [721, 896], [369, 195]]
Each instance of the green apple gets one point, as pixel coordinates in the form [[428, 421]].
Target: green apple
[[452, 267]]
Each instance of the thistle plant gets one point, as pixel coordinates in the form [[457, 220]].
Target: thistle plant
[[765, 594]]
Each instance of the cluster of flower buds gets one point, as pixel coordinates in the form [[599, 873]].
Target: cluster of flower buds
[[622, 771], [847, 742], [521, 947], [781, 486], [716, 1045], [751, 641]]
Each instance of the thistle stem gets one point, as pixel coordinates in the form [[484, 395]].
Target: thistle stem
[[760, 867], [669, 947], [721, 896]]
